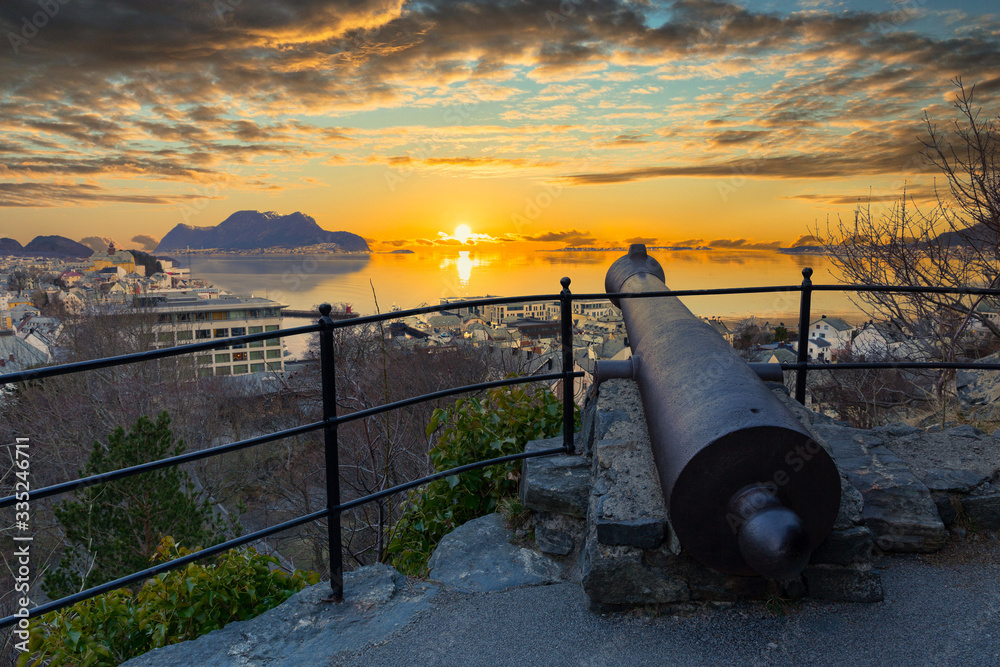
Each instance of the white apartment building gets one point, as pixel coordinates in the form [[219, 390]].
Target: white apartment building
[[834, 331], [184, 319]]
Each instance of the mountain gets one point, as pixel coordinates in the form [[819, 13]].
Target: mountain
[[250, 230], [10, 247], [978, 236], [46, 246]]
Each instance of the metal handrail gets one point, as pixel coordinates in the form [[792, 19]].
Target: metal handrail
[[326, 326]]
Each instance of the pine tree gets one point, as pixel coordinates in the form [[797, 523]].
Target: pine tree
[[113, 529]]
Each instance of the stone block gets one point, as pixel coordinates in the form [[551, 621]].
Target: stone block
[[557, 484], [708, 585], [843, 583], [643, 533], [843, 547], [558, 534], [618, 575], [627, 506], [983, 511]]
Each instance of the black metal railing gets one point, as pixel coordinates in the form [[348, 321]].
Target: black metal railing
[[330, 421]]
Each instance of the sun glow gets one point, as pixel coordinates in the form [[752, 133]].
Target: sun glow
[[463, 233]]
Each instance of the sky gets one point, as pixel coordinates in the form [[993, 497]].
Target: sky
[[572, 123]]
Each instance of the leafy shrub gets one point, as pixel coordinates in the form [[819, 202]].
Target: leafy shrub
[[472, 430], [169, 608]]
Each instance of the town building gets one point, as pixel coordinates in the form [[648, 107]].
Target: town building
[[834, 331], [122, 259], [184, 318]]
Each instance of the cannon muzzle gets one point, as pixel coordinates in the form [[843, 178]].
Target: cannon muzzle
[[747, 489]]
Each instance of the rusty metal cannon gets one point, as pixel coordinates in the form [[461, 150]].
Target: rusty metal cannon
[[747, 489]]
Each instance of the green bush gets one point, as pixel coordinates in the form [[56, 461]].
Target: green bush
[[113, 529], [472, 430], [169, 608]]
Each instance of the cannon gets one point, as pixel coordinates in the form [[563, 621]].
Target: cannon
[[747, 489]]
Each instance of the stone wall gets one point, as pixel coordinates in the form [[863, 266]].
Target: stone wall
[[901, 487]]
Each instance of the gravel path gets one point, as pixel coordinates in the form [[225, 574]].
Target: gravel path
[[938, 610]]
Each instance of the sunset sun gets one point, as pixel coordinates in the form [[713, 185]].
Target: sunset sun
[[463, 232]]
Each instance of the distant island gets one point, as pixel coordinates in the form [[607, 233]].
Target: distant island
[[253, 230], [45, 246], [401, 251]]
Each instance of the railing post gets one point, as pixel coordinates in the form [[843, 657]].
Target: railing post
[[566, 313], [805, 304], [329, 381]]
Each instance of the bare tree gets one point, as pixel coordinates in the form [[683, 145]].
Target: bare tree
[[953, 245]]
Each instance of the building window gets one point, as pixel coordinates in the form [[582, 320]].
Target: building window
[[183, 317], [222, 333], [239, 331], [202, 317], [239, 369], [256, 355], [822, 335], [256, 368], [205, 372], [224, 370], [258, 343], [254, 330], [165, 337], [274, 354], [207, 359], [237, 314], [202, 334], [222, 358], [239, 356], [186, 334]]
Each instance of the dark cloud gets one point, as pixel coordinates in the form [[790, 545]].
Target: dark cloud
[[645, 240], [182, 90], [41, 195], [885, 157], [920, 194], [145, 242], [738, 137]]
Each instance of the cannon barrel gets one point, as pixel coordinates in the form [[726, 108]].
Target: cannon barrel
[[748, 491]]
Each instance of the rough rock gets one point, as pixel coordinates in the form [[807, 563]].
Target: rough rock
[[983, 511], [843, 547], [953, 481], [897, 507], [559, 484], [477, 557], [558, 534], [306, 629], [960, 448]]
